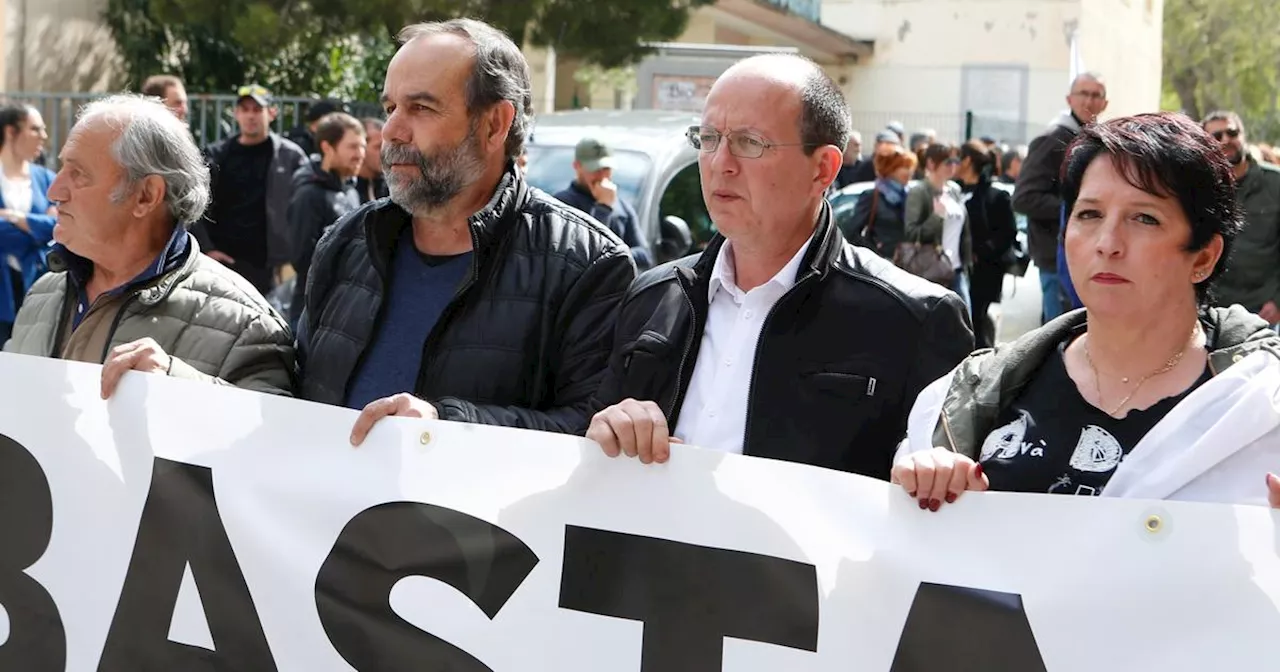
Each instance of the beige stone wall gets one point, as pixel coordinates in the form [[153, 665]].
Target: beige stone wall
[[60, 46]]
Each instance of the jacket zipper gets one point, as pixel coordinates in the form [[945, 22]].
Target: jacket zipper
[[681, 388], [449, 310], [946, 428], [115, 324], [755, 361]]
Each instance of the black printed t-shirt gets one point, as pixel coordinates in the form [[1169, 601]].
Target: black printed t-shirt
[[1051, 440]]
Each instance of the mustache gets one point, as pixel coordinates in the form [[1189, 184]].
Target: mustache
[[393, 153]]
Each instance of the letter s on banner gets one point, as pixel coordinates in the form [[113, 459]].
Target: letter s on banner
[[37, 640], [391, 541], [689, 597]]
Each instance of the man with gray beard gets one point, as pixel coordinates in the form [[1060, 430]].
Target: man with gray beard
[[467, 295]]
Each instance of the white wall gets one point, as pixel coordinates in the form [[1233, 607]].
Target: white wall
[[67, 47]]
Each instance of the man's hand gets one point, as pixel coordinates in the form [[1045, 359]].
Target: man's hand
[[221, 257], [284, 272], [143, 355], [605, 192], [1273, 490], [636, 428], [1270, 313], [403, 405]]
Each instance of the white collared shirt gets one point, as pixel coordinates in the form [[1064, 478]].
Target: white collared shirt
[[714, 411]]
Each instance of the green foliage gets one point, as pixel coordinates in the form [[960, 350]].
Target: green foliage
[[341, 47], [1224, 54]]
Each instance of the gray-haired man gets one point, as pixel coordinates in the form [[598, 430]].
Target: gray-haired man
[[142, 297]]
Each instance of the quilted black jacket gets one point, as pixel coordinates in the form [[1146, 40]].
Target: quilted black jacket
[[841, 358], [524, 341]]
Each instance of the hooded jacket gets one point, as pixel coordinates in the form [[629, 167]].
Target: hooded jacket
[[1215, 445], [1038, 192], [319, 199]]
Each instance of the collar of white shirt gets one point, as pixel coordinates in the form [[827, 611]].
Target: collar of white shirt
[[724, 276]]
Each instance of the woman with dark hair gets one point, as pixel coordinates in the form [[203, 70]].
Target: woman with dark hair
[[992, 231], [26, 215], [878, 215], [936, 215], [1149, 391]]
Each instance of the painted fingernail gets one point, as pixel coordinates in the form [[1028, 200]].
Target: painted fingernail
[[934, 505], [924, 504], [977, 470], [951, 498]]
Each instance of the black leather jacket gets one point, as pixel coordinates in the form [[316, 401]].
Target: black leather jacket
[[840, 360], [523, 342]]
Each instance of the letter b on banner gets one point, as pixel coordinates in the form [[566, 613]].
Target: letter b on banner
[[37, 640]]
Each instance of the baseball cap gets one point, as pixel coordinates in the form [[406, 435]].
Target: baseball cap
[[257, 92], [593, 155]]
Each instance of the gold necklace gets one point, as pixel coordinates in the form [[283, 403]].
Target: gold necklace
[[1168, 366]]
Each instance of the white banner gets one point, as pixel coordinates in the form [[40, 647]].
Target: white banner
[[182, 526]]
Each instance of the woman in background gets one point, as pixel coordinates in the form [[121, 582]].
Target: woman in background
[[26, 215], [992, 229], [878, 216], [936, 215]]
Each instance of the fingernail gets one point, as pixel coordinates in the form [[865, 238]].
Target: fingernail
[[977, 470], [951, 498], [924, 504], [912, 494], [934, 505]]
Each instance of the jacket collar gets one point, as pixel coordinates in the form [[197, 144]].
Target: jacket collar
[[987, 382], [824, 248], [387, 220]]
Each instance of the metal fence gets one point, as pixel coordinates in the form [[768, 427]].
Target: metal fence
[[210, 115], [949, 128]]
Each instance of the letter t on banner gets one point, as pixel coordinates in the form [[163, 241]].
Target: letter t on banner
[[689, 597]]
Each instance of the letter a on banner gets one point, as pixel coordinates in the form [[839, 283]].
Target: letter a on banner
[[976, 630], [386, 543], [37, 641], [689, 597], [181, 525]]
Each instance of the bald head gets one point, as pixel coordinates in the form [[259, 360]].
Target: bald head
[[818, 105]]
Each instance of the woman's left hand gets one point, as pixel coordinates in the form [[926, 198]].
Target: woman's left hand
[[1273, 490]]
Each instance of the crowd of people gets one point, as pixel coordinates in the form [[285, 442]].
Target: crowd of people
[[466, 295]]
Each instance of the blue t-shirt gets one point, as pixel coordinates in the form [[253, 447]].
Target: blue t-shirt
[[420, 288]]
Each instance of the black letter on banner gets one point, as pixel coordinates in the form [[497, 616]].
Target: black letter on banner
[[180, 525], [37, 640], [976, 630], [386, 543], [689, 597]]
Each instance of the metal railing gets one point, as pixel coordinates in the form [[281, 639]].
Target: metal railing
[[210, 115]]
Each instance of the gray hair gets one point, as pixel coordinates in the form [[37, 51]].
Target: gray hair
[[153, 141], [500, 72]]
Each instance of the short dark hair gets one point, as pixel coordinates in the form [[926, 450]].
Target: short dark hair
[[372, 123], [824, 112], [936, 153], [12, 114], [323, 108], [499, 73], [333, 127], [1167, 155], [1228, 116], [157, 86]]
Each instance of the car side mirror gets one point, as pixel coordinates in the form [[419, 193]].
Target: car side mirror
[[676, 239]]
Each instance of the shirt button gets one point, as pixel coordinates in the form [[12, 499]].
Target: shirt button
[[747, 314], [728, 362]]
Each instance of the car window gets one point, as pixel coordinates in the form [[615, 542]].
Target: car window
[[683, 198], [551, 169]]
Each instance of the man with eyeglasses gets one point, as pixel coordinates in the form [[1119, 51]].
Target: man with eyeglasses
[[780, 340], [1036, 194], [1253, 277], [247, 225]]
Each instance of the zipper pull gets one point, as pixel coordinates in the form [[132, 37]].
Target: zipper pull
[[871, 387]]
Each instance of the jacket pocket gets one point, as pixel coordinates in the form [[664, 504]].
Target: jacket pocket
[[648, 363], [849, 386]]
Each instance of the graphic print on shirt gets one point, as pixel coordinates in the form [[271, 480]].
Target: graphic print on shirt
[[1097, 451], [1006, 442]]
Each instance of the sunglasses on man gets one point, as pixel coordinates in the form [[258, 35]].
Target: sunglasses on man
[[1228, 133]]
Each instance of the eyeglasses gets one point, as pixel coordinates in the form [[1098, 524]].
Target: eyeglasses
[[253, 90], [1229, 133], [742, 144], [1092, 95]]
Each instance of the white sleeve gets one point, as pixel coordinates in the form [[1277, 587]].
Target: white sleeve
[[924, 417]]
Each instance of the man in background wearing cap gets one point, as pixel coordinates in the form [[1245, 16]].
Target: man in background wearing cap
[[247, 225], [593, 192]]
